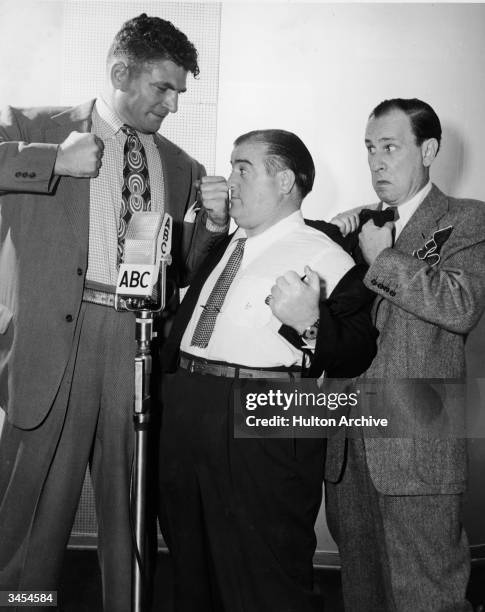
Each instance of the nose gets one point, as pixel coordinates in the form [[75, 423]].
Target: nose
[[376, 162], [232, 179], [171, 101]]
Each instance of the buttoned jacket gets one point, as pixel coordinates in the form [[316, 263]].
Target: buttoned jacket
[[430, 293]]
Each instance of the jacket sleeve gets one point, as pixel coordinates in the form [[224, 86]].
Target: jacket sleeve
[[199, 239], [450, 294], [346, 341], [25, 166]]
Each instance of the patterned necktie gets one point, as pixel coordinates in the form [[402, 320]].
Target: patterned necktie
[[135, 194], [207, 320]]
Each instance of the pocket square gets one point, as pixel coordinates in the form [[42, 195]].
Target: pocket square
[[430, 252]]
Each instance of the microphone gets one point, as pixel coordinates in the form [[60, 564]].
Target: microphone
[[148, 243]]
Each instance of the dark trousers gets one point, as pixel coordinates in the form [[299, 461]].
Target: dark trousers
[[238, 515], [42, 470], [399, 553]]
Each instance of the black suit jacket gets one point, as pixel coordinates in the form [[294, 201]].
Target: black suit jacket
[[346, 342]]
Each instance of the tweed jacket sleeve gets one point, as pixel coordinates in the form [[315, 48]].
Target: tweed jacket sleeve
[[447, 288]]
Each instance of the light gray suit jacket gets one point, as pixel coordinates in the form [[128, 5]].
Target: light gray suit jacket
[[44, 224], [423, 311]]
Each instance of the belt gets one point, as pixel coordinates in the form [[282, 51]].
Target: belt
[[197, 365], [94, 296]]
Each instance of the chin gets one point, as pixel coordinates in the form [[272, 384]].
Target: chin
[[382, 191]]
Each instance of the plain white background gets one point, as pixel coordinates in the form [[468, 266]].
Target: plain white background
[[316, 69]]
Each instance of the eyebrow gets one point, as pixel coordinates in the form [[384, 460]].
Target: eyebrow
[[168, 85], [383, 139], [241, 161]]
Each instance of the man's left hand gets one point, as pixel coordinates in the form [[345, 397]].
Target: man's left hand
[[295, 302], [214, 199], [373, 239]]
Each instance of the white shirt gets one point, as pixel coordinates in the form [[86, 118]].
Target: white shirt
[[407, 210], [246, 332]]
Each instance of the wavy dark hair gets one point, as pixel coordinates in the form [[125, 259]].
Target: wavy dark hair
[[424, 121], [284, 150], [145, 39]]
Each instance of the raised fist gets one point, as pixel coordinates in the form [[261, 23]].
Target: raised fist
[[79, 156]]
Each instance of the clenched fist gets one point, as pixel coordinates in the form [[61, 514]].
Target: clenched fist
[[373, 239], [295, 301], [213, 192], [79, 156]]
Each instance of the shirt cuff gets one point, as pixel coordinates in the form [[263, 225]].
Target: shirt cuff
[[191, 213], [212, 227], [309, 344]]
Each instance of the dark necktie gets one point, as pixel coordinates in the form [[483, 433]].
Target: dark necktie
[[380, 217], [207, 320], [135, 194]]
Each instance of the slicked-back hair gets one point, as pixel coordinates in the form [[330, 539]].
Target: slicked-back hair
[[146, 39], [424, 121], [284, 150]]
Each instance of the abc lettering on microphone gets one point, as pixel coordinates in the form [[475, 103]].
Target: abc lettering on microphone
[[146, 254], [136, 279]]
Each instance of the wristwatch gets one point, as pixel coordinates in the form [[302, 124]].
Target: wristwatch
[[310, 333]]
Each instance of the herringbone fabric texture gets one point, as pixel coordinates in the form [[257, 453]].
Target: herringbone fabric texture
[[135, 194], [207, 320]]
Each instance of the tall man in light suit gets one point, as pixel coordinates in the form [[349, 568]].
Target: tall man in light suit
[[66, 356], [394, 505]]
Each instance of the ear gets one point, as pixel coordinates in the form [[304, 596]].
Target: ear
[[119, 75], [286, 180], [429, 149]]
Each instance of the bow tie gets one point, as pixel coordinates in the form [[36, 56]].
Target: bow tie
[[380, 217]]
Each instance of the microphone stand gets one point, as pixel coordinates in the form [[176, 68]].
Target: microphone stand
[[141, 419], [145, 310]]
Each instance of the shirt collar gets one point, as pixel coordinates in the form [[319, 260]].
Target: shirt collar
[[274, 232], [407, 209], [110, 123]]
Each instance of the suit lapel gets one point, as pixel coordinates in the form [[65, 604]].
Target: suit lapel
[[74, 192], [423, 222], [420, 226], [177, 183]]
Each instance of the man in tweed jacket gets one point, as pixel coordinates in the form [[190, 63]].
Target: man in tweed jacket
[[394, 505], [396, 509]]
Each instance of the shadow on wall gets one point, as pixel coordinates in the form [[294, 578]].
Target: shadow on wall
[[448, 169]]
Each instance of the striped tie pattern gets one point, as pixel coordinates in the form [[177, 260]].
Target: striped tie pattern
[[135, 193], [207, 320]]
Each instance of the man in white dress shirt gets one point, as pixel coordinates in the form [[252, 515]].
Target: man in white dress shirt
[[238, 514]]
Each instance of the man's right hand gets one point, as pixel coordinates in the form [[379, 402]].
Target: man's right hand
[[214, 198], [79, 156], [295, 301]]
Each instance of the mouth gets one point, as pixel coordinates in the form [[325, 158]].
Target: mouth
[[382, 182], [234, 202], [159, 116]]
